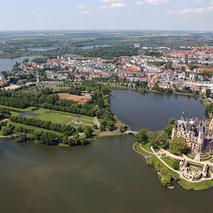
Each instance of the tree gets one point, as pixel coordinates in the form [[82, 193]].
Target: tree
[[178, 146], [88, 132], [169, 65], [161, 140], [7, 130], [123, 128], [80, 129], [22, 137], [142, 136], [110, 125], [169, 127], [176, 165], [76, 140], [208, 93], [4, 113], [103, 125], [165, 180], [169, 92]]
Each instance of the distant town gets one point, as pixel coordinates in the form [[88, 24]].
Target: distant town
[[188, 70]]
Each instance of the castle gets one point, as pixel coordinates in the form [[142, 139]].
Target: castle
[[197, 133]]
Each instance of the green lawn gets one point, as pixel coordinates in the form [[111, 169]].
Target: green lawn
[[54, 116], [1, 133], [137, 148], [196, 186], [147, 147], [168, 161], [62, 117]]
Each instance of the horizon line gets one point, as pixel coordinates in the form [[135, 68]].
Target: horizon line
[[106, 30]]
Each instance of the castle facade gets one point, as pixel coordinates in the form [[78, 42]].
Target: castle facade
[[197, 133]]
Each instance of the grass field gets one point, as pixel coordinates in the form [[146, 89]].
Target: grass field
[[53, 116], [168, 161], [196, 186], [63, 117]]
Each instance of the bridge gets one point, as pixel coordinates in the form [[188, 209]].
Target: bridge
[[130, 132]]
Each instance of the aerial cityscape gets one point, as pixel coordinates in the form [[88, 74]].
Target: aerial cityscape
[[106, 106]]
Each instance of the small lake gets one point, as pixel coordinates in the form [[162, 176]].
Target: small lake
[[7, 64], [90, 47], [28, 113], [152, 111], [42, 49]]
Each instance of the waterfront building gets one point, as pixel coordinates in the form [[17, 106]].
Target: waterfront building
[[2, 80]]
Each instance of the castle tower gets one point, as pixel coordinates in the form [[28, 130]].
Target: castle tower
[[174, 131], [210, 130], [200, 142], [201, 137]]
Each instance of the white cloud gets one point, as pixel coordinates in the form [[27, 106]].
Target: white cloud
[[113, 4], [84, 9], [155, 1], [139, 2], [188, 11]]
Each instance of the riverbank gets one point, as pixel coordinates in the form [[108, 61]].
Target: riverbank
[[146, 151], [143, 91], [103, 134]]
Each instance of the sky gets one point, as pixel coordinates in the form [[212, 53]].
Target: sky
[[190, 15]]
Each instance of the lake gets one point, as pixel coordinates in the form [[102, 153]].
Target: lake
[[42, 49], [90, 47], [7, 64], [152, 111], [106, 176]]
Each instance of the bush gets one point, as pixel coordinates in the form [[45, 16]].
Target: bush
[[7, 130], [142, 136]]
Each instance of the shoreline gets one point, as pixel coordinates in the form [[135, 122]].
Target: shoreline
[[5, 137]]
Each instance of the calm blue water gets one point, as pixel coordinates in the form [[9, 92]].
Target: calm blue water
[[152, 111], [106, 176], [7, 64]]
